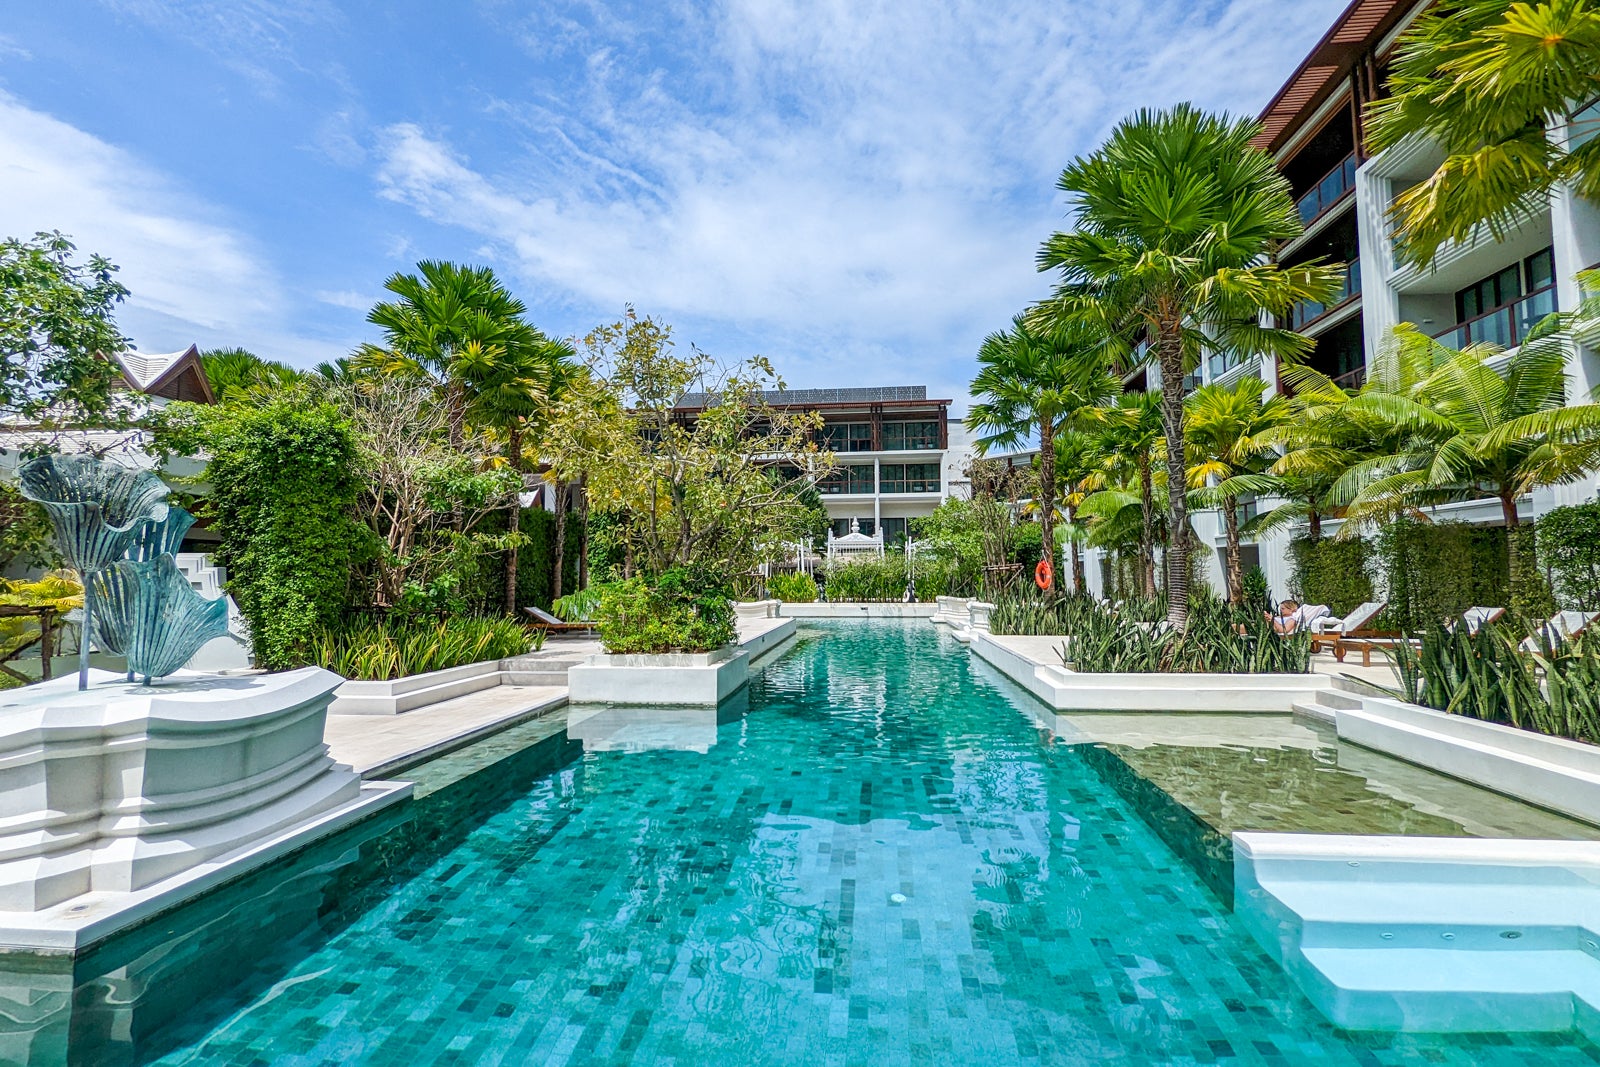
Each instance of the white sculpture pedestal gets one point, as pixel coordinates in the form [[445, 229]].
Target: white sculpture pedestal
[[123, 800]]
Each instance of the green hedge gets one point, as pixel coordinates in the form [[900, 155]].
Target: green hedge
[[394, 648], [684, 611], [1436, 571], [535, 563], [1331, 571], [1569, 552], [884, 579], [283, 490]]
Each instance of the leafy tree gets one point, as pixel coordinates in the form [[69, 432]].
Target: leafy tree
[[1227, 430], [1077, 462], [56, 329], [1484, 79], [1176, 215], [1030, 382], [715, 492]]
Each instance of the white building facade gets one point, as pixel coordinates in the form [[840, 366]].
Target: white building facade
[[1484, 289]]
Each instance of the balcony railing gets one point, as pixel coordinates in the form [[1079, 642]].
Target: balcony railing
[[1351, 380], [1309, 311], [1329, 191], [1504, 326]]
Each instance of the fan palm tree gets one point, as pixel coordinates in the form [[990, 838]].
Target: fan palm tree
[[1029, 383], [453, 325], [1176, 214], [239, 376], [1465, 429], [1229, 431], [1485, 79]]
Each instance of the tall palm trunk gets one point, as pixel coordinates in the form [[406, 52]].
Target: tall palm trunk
[[1169, 347], [561, 539], [1047, 489], [1230, 512], [1313, 520], [1080, 581], [514, 519], [1508, 509]]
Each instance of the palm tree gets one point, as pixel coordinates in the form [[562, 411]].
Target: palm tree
[[513, 400], [1128, 434], [456, 326], [1228, 431], [1029, 383], [239, 376], [1176, 214], [1465, 429], [1077, 463], [1320, 442], [1484, 79]]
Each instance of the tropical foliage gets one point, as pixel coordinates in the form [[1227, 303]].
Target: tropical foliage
[[682, 611], [1485, 79], [393, 648], [792, 587], [1175, 215]]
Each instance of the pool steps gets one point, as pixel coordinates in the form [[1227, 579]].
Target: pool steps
[[1430, 934], [1550, 772]]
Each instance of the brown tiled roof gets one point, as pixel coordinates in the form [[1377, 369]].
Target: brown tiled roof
[[1322, 73]]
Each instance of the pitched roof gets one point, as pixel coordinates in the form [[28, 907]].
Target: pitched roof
[[173, 375]]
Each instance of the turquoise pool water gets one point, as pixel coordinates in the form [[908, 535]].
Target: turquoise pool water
[[883, 862]]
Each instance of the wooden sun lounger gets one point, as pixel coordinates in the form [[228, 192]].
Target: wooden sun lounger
[[1365, 643], [543, 620]]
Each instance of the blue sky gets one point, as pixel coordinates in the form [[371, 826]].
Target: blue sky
[[853, 189]]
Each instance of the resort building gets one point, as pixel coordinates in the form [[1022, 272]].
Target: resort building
[[1487, 289], [900, 454]]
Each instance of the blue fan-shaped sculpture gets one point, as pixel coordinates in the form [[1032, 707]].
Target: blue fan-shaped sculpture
[[150, 613], [116, 530]]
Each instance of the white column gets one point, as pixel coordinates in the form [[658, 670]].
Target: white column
[[877, 496]]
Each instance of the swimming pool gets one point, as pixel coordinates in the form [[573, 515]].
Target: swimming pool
[[881, 862]]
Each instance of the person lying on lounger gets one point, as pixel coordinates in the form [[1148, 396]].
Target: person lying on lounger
[[1289, 619]]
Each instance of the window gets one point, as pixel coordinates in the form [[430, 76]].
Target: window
[[910, 478], [894, 531], [910, 436], [848, 436], [841, 527], [851, 478], [1506, 286]]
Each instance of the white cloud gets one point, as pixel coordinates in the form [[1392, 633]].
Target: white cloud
[[10, 49], [848, 179], [345, 298], [192, 277]]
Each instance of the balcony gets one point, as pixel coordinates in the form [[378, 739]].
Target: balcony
[[1307, 312], [1334, 186], [1220, 364], [1505, 326]]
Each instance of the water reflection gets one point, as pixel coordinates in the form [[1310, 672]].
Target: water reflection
[[606, 728]]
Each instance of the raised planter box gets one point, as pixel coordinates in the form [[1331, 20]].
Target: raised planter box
[[688, 678], [415, 690], [1551, 772], [1026, 663]]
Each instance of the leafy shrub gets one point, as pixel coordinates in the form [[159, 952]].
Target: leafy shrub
[[394, 648], [1257, 590], [1331, 571], [1486, 675], [793, 588], [581, 606], [1027, 545], [882, 580], [283, 490], [1436, 571], [685, 611], [1569, 549]]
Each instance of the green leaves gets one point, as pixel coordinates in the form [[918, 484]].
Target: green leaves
[[56, 329], [1483, 79]]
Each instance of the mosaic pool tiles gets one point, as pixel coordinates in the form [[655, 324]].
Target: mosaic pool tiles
[[884, 863]]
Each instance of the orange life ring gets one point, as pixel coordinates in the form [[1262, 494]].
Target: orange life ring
[[1044, 575]]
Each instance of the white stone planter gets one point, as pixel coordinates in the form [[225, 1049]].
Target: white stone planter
[[756, 609], [688, 678], [1023, 662], [415, 690], [132, 797]]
